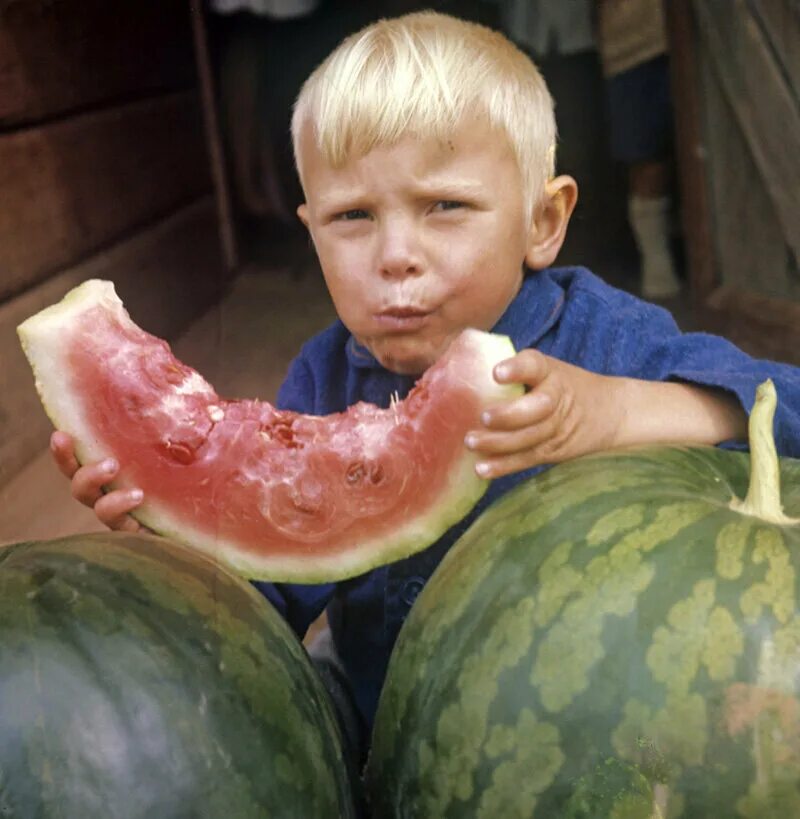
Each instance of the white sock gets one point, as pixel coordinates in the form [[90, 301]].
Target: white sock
[[649, 220]]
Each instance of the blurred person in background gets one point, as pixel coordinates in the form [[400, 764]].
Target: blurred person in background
[[632, 42]]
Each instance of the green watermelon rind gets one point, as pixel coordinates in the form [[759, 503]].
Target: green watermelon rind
[[245, 725], [41, 337], [574, 607]]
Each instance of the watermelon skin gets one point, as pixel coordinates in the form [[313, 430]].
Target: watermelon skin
[[609, 640], [276, 495], [139, 679]]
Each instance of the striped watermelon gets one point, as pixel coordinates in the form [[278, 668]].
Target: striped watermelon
[[140, 679], [613, 639]]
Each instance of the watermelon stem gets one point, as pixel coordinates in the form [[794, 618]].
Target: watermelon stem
[[661, 795], [764, 494]]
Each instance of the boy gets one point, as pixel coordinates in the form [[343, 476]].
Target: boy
[[425, 146]]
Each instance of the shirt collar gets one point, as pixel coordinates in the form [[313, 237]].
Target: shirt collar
[[534, 310], [359, 356]]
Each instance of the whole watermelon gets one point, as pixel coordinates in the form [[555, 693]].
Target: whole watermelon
[[139, 679], [610, 640]]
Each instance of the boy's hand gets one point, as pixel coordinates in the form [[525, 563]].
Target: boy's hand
[[87, 481], [569, 411]]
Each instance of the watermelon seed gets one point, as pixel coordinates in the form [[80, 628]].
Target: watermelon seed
[[354, 473], [280, 430]]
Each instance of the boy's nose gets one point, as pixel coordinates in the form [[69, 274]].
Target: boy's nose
[[399, 253]]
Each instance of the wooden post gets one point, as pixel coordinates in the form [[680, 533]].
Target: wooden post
[[691, 149], [230, 251]]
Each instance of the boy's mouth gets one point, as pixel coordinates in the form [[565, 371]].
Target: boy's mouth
[[402, 318], [403, 312]]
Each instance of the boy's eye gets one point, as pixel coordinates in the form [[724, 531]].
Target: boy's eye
[[448, 204], [350, 215]]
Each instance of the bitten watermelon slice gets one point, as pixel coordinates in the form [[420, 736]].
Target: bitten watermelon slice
[[274, 494]]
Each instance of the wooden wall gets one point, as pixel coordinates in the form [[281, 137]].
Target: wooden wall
[[103, 173], [737, 86]]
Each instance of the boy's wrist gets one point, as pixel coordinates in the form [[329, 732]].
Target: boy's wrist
[[655, 412]]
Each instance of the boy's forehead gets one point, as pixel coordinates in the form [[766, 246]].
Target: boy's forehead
[[419, 150]]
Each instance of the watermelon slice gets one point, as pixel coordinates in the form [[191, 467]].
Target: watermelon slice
[[275, 495]]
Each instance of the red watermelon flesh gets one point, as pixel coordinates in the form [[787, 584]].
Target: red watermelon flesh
[[274, 494]]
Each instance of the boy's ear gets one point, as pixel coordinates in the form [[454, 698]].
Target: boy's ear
[[549, 225], [302, 212]]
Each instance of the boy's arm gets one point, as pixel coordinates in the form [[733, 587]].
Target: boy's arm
[[645, 381], [568, 412], [672, 412]]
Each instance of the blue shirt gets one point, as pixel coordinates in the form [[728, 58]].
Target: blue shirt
[[567, 313]]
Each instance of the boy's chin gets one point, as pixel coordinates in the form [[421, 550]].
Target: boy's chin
[[406, 359], [413, 366]]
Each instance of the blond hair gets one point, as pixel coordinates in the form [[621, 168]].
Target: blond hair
[[423, 74]]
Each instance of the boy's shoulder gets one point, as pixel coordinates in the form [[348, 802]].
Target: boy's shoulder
[[580, 283], [567, 300]]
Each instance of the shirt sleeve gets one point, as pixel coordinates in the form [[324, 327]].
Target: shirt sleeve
[[648, 344], [299, 604]]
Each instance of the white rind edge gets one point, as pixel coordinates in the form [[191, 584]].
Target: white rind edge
[[42, 339], [43, 342]]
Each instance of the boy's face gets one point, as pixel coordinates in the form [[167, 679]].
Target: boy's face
[[418, 240]]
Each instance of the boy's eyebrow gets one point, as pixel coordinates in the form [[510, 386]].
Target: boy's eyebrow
[[451, 189], [441, 189], [337, 201]]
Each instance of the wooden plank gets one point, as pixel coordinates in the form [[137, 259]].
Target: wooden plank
[[57, 57], [219, 173], [762, 326], [691, 152], [750, 250], [74, 186], [781, 21], [765, 106], [166, 276]]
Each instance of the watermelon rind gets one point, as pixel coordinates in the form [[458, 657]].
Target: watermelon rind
[[609, 638], [42, 337], [138, 678]]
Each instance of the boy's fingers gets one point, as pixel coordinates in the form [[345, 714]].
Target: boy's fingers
[[530, 408], [508, 464], [63, 453], [88, 481], [517, 440], [87, 486], [526, 367], [113, 510]]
